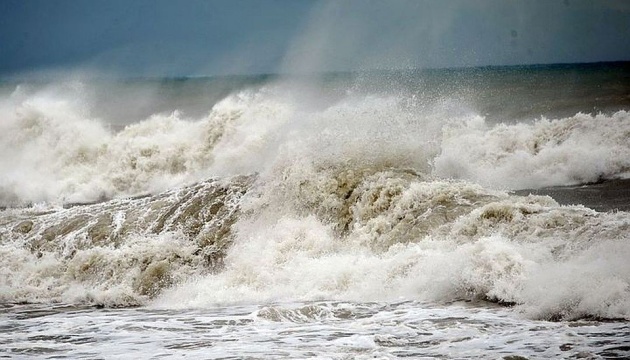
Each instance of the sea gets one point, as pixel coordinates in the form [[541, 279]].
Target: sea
[[451, 213]]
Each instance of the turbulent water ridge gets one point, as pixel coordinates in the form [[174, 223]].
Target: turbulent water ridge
[[118, 252], [371, 235], [55, 150], [279, 193]]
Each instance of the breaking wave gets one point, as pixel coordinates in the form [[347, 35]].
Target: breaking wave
[[54, 152], [356, 198], [575, 150]]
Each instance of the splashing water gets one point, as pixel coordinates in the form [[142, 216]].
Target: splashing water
[[309, 212]]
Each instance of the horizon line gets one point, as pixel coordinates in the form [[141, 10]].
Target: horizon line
[[31, 78]]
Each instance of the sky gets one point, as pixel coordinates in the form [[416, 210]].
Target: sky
[[200, 38]]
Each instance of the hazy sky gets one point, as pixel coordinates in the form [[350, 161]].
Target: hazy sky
[[190, 37]]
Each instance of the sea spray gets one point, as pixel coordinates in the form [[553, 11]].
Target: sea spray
[[279, 195], [54, 151], [434, 241], [574, 150]]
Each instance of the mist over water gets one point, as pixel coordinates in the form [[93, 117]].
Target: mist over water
[[365, 188], [388, 189], [88, 141]]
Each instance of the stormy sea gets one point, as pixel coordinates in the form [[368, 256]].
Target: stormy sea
[[454, 213]]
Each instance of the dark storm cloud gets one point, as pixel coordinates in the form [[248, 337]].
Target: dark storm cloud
[[162, 37], [368, 34], [148, 36]]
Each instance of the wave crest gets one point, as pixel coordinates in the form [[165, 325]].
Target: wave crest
[[574, 150]]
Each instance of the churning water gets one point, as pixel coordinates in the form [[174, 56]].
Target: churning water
[[455, 214]]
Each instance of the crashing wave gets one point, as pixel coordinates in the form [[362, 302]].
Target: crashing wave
[[363, 198]]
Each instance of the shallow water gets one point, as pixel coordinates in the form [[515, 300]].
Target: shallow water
[[327, 330]]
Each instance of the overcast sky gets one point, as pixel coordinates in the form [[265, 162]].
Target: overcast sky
[[194, 38]]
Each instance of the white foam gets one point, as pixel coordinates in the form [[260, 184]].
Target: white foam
[[100, 274], [548, 259], [351, 202], [567, 151], [54, 151]]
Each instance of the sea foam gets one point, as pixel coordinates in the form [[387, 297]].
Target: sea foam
[[363, 197]]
